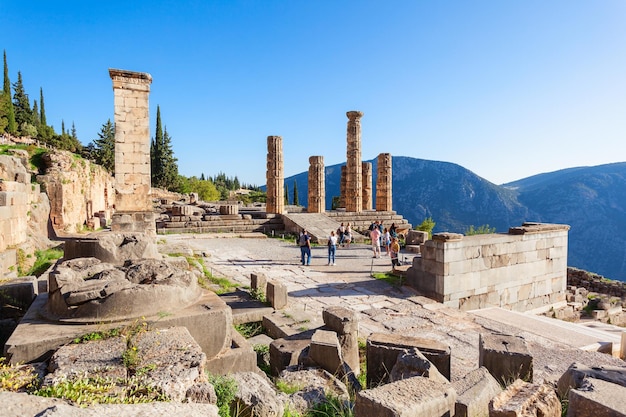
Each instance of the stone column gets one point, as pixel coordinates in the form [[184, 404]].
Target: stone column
[[133, 208], [366, 167], [275, 202], [354, 180], [383, 183], [317, 186], [342, 188]]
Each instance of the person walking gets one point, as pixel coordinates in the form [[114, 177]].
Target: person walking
[[341, 233], [386, 240], [375, 236], [304, 241], [348, 235], [332, 248]]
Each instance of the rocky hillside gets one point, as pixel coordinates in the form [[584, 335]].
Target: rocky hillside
[[592, 200]]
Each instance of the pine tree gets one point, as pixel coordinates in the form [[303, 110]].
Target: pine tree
[[21, 104], [169, 163], [102, 150], [6, 104], [295, 193]]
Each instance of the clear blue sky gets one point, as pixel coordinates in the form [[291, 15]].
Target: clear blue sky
[[507, 89]]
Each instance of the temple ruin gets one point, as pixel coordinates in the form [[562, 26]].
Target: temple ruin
[[275, 201], [354, 181], [317, 193]]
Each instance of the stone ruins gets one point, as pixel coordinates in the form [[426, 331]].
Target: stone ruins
[[424, 355]]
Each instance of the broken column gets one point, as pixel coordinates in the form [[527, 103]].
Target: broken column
[[133, 209], [367, 185], [383, 183], [354, 180], [317, 193], [275, 202]]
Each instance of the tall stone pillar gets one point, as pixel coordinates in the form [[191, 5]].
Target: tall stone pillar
[[133, 208], [317, 185], [366, 167], [383, 183], [354, 180], [342, 187], [275, 202]]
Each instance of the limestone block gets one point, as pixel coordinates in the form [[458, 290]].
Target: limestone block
[[474, 392], [258, 282], [383, 350], [277, 295], [412, 363], [506, 357], [416, 237], [597, 398], [522, 399], [413, 397], [622, 349], [238, 357], [326, 351], [575, 376], [345, 323], [286, 351], [256, 396], [21, 291]]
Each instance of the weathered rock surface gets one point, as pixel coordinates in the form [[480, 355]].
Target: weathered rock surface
[[88, 290], [313, 387], [412, 363], [256, 397], [522, 399]]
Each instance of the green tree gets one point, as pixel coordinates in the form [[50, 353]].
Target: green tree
[[44, 132], [426, 226], [480, 230], [21, 104], [296, 202], [42, 115], [155, 150], [7, 112], [169, 163], [102, 150], [164, 167], [286, 194]]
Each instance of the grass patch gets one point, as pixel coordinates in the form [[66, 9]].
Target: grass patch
[[286, 388], [390, 278], [225, 390], [45, 258], [249, 330], [224, 284], [333, 407], [18, 378]]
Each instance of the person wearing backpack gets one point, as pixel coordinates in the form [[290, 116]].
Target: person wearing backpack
[[304, 241]]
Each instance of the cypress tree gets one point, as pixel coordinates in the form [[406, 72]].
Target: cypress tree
[[21, 104], [295, 193], [286, 194], [169, 163], [74, 135], [156, 152], [9, 111], [42, 116]]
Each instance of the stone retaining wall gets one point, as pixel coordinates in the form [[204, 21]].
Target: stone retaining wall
[[595, 283], [522, 270]]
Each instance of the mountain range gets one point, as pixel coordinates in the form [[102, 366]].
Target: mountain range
[[592, 200]]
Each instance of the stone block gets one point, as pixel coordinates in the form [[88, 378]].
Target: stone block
[[20, 291], [241, 357], [576, 374], [522, 399], [383, 350], [326, 351], [412, 363], [597, 398], [345, 323], [258, 282], [277, 295], [622, 346], [506, 357], [474, 392], [287, 351], [413, 397]]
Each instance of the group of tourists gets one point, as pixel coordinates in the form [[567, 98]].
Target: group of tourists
[[381, 237]]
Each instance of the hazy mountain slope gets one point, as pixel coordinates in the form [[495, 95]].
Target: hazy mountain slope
[[592, 200]]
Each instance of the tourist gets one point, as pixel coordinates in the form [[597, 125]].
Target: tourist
[[392, 230], [395, 250], [386, 240], [332, 247], [304, 241], [375, 236], [341, 233], [348, 235]]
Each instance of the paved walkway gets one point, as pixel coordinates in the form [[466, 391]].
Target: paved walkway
[[383, 307]]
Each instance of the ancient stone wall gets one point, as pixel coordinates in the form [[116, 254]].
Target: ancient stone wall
[[275, 187], [317, 185], [342, 187], [367, 185], [23, 215], [383, 183], [78, 189], [522, 270], [354, 179]]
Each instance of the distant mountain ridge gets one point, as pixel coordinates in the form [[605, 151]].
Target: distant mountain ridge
[[592, 200]]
